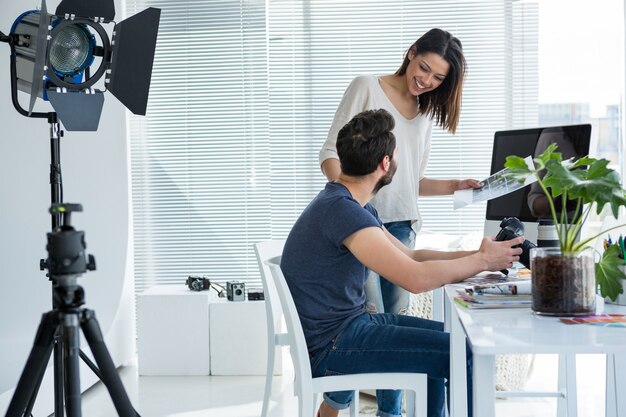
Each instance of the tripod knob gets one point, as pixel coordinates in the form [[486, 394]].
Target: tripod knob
[[91, 263], [65, 208]]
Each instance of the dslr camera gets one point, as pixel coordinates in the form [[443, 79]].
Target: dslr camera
[[196, 283], [235, 291], [511, 228]]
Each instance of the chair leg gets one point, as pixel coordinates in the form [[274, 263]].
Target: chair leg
[[316, 400], [269, 375], [411, 411], [354, 405], [307, 405]]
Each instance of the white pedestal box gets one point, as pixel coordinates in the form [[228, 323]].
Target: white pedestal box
[[173, 331], [238, 337]]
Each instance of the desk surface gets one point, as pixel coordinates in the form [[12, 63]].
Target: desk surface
[[509, 331]]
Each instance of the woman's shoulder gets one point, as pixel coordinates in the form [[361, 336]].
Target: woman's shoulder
[[362, 86], [365, 80]]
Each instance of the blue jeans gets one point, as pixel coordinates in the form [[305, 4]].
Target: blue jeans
[[390, 343], [383, 296]]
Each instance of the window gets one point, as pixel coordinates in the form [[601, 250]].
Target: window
[[200, 158], [581, 77], [243, 94]]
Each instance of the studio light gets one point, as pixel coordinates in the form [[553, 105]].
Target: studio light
[[61, 58], [68, 59]]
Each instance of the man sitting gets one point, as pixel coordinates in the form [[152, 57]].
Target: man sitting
[[326, 258]]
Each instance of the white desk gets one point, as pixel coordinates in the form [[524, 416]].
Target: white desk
[[519, 331]]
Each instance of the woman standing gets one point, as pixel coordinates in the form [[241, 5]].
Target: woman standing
[[426, 88]]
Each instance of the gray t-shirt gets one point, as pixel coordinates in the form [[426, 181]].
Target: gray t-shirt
[[325, 279]]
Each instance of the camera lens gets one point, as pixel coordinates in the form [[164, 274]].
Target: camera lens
[[547, 236], [237, 292]]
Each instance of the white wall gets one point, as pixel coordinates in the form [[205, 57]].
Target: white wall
[[95, 173]]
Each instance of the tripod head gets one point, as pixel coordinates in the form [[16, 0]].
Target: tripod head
[[66, 247]]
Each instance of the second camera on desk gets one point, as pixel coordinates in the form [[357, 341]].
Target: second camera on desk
[[196, 283], [235, 291]]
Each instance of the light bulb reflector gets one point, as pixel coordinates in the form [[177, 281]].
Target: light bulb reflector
[[70, 49]]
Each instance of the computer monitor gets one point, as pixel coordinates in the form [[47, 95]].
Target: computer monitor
[[572, 141]]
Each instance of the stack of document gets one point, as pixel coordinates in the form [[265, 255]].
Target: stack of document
[[505, 294]]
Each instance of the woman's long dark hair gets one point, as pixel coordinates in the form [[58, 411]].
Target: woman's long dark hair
[[442, 104]]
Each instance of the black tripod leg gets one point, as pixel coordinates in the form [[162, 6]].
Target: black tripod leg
[[90, 364], [58, 402], [35, 365], [110, 378], [59, 366], [72, 375]]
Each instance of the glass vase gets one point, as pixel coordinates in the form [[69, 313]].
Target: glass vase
[[563, 284]]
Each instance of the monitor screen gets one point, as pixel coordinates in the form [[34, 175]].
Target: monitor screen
[[525, 204]]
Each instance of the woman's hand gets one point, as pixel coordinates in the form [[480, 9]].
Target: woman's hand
[[468, 183]]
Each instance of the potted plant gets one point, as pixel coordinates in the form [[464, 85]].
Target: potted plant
[[563, 278]]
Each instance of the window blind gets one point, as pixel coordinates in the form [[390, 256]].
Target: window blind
[[243, 94], [200, 158]]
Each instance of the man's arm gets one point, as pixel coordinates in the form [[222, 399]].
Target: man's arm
[[429, 186], [376, 251], [425, 254]]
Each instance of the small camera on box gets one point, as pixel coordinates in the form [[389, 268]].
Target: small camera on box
[[255, 294], [196, 283], [235, 291]]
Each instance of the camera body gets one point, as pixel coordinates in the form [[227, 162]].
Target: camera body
[[512, 227], [235, 291], [196, 283], [256, 294]]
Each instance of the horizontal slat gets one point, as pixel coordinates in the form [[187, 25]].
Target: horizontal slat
[[243, 95]]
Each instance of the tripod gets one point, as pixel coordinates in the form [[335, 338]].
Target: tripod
[[67, 298], [66, 262]]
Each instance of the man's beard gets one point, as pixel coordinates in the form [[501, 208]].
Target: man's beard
[[386, 179]]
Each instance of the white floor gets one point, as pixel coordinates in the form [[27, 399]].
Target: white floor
[[242, 396]]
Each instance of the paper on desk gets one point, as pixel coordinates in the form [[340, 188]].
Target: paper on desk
[[496, 284], [495, 186], [520, 287]]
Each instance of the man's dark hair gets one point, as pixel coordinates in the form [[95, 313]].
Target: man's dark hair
[[364, 141]]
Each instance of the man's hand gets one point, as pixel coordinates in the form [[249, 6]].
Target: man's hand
[[500, 255]]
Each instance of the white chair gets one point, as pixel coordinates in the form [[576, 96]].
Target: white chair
[[307, 388], [275, 339]]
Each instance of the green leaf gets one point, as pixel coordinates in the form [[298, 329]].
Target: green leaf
[[547, 155], [608, 275], [586, 181], [518, 170]]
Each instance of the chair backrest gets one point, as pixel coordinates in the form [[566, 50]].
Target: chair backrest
[[297, 343], [264, 251]]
